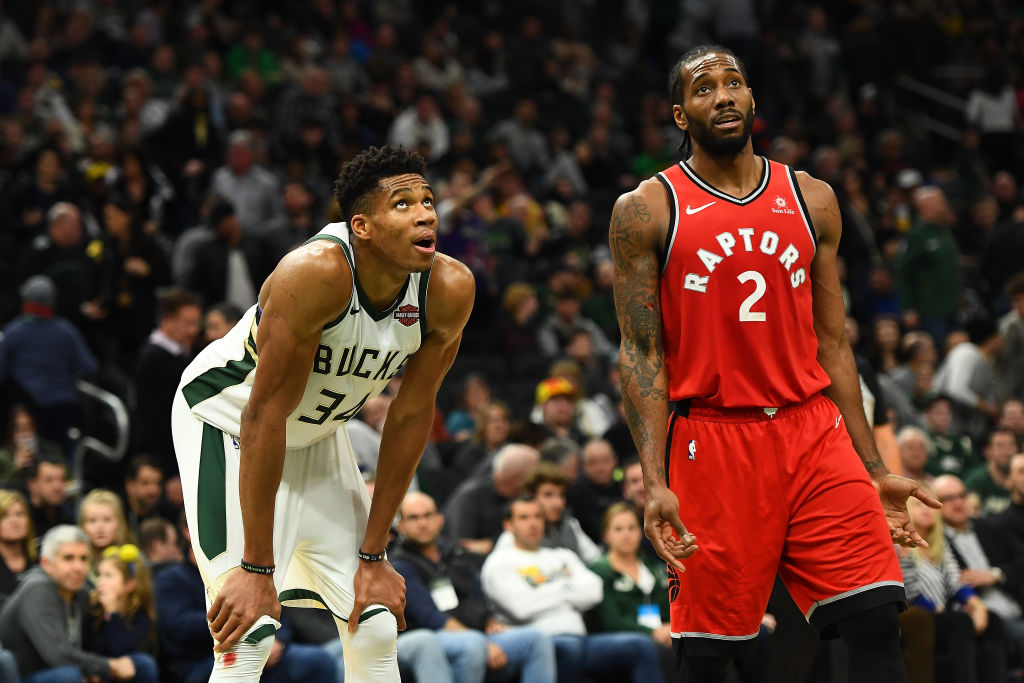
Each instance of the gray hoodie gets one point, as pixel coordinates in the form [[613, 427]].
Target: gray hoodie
[[45, 632]]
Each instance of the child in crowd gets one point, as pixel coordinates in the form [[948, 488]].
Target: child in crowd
[[101, 517], [122, 623]]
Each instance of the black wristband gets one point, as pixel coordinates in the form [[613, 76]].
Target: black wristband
[[371, 558], [256, 569]]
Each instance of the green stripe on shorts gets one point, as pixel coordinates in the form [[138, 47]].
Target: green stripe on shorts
[[305, 594], [259, 634], [211, 507]]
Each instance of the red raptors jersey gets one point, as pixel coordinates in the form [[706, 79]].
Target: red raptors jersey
[[738, 328]]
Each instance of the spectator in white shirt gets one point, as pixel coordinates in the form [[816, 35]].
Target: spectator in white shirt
[[550, 588]]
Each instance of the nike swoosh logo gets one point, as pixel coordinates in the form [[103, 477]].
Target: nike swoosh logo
[[690, 212], [838, 420]]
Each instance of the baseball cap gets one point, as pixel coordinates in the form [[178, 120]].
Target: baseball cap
[[554, 386]]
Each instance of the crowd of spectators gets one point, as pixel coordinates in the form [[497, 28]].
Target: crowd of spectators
[[157, 158]]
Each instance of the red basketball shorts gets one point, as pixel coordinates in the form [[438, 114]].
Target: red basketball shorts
[[782, 493]]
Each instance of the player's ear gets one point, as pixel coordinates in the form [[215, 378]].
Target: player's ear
[[360, 226], [753, 104], [679, 114]]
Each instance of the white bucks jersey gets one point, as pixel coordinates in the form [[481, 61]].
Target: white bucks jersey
[[358, 353]]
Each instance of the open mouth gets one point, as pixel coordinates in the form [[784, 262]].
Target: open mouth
[[425, 245], [729, 121]]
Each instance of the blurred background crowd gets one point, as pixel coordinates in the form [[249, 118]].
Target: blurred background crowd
[[157, 158]]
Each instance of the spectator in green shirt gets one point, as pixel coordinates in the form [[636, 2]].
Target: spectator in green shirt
[[991, 481], [928, 270], [952, 450], [635, 588]]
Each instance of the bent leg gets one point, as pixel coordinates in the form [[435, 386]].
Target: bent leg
[[872, 637], [61, 674], [302, 662], [246, 659], [146, 670], [467, 654], [420, 651], [626, 651], [371, 653], [531, 654], [569, 654]]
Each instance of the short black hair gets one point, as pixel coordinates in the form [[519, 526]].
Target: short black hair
[[32, 472], [232, 313], [152, 530], [173, 299], [675, 93], [1015, 285], [521, 498], [361, 176], [980, 329], [136, 464]]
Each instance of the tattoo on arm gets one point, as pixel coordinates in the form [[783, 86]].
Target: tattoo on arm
[[874, 465], [637, 302]]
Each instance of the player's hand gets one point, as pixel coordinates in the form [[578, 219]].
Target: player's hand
[[377, 583], [244, 598], [893, 491], [496, 657], [662, 525]]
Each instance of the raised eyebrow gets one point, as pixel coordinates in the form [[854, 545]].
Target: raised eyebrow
[[409, 189], [707, 74]]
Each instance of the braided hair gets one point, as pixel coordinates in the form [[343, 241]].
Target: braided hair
[[675, 83]]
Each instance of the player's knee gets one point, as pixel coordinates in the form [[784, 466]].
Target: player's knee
[[376, 634], [246, 659], [471, 653]]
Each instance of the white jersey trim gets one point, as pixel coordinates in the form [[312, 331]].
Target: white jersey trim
[[766, 174], [798, 196], [847, 594], [712, 636], [673, 227]]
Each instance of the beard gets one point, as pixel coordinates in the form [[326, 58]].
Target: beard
[[705, 137]]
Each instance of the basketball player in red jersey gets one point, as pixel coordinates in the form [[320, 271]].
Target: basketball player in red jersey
[[742, 396]]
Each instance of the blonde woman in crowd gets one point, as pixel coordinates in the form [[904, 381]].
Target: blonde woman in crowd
[[17, 540]]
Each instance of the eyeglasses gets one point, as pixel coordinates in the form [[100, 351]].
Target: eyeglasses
[[953, 496]]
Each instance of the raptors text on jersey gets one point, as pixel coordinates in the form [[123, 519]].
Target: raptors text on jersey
[[736, 308]]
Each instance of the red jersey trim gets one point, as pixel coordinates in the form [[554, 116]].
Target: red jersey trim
[[766, 174], [673, 220], [804, 213]]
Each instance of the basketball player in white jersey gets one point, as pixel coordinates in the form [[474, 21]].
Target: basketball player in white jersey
[[276, 508]]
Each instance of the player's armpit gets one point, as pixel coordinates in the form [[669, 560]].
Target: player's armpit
[[639, 222]]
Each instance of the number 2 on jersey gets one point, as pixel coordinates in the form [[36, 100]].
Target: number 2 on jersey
[[746, 315]]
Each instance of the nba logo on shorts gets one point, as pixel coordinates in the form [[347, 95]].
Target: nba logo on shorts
[[693, 449]]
